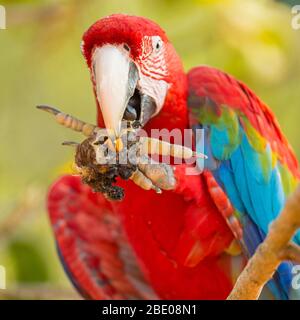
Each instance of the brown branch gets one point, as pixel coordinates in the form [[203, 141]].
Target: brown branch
[[275, 249], [291, 253]]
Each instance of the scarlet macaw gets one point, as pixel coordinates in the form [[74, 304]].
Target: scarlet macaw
[[181, 244]]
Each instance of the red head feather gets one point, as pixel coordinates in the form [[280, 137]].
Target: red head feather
[[131, 31]]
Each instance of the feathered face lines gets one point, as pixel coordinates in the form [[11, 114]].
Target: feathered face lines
[[127, 57]]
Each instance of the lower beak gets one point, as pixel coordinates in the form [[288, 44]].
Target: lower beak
[[116, 78]]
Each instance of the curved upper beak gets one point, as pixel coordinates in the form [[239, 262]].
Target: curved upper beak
[[116, 77]]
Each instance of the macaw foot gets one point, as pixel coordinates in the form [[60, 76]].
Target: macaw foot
[[98, 157], [154, 175]]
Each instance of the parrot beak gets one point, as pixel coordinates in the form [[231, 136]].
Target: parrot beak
[[115, 76]]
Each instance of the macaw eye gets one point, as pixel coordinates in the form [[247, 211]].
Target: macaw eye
[[157, 43]]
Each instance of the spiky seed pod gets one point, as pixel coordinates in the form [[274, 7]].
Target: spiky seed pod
[[101, 177]]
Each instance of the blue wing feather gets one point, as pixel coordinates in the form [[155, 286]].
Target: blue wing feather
[[242, 160], [258, 199]]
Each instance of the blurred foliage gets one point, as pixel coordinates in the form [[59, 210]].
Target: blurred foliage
[[41, 63], [290, 2], [27, 255]]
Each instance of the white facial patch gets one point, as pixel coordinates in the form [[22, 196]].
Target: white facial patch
[[153, 70], [157, 89]]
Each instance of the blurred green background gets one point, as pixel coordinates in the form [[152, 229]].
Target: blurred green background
[[40, 62]]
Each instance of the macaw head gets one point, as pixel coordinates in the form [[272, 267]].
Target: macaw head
[[134, 69]]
